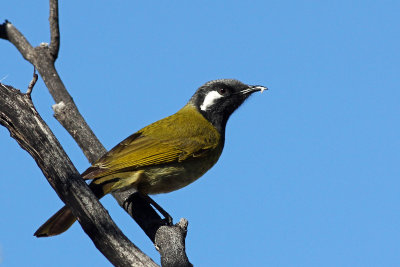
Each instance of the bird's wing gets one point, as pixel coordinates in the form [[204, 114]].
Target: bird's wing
[[152, 146]]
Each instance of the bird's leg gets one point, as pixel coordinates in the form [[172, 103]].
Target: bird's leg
[[166, 215]]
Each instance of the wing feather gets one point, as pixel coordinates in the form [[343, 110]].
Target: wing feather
[[162, 142]]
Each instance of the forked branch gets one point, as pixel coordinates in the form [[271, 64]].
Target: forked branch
[[43, 58]]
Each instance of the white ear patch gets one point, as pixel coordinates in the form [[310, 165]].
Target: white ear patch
[[209, 100]]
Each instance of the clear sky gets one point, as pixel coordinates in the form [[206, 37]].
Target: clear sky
[[310, 172]]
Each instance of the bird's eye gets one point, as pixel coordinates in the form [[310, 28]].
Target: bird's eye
[[222, 91]]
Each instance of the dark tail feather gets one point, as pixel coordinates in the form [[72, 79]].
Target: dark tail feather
[[57, 224]]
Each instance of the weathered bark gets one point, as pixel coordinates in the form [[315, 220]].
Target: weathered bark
[[20, 117], [66, 112]]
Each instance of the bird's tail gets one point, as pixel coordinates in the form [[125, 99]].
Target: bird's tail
[[57, 224], [63, 219]]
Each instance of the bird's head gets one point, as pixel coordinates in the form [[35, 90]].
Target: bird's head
[[218, 99]]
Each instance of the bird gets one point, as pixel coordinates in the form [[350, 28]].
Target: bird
[[168, 154]]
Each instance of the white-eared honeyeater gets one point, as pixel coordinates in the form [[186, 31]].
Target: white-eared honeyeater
[[165, 155]]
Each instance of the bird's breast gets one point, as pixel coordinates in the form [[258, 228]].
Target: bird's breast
[[171, 177]]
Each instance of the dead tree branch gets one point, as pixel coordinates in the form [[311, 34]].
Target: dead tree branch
[[54, 30], [66, 112], [20, 117], [43, 58]]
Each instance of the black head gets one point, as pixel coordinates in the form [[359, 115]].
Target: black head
[[218, 99]]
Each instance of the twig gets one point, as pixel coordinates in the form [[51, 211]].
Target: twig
[[54, 30], [32, 83]]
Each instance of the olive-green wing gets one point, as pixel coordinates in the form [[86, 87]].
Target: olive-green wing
[[155, 144]]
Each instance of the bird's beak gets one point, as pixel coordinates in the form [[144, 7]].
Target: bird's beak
[[256, 88], [253, 88]]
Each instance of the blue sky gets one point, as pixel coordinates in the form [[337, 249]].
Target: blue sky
[[310, 171]]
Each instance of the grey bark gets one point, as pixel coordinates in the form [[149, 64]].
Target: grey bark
[[43, 57], [20, 117]]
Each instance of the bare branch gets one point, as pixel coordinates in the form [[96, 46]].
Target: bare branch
[[20, 117], [43, 61], [10, 33], [39, 57], [32, 83], [174, 236], [141, 211], [54, 30], [71, 119], [66, 112]]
